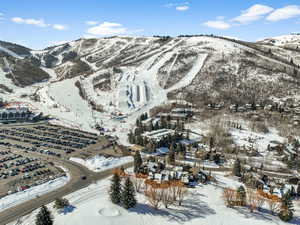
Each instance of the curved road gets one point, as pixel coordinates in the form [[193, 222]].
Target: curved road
[[76, 182]]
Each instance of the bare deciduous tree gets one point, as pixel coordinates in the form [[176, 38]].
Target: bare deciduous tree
[[154, 196], [229, 196]]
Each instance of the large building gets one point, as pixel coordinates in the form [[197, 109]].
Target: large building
[[16, 114]]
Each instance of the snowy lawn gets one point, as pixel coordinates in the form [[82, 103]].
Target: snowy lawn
[[100, 163], [204, 205]]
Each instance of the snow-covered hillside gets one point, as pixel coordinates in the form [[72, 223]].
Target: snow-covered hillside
[[104, 81], [283, 40]]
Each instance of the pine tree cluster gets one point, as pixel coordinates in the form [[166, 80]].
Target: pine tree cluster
[[124, 196]]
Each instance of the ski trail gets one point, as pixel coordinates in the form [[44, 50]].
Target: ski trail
[[10, 52], [189, 77], [170, 69]]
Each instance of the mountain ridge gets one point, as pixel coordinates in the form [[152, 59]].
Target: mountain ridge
[[134, 74]]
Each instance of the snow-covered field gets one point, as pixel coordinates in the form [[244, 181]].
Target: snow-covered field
[[100, 163], [31, 193], [203, 205]]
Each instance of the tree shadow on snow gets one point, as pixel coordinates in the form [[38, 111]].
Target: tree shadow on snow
[[295, 220], [265, 214], [68, 209], [262, 214], [190, 209]]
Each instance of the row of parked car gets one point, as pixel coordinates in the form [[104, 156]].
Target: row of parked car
[[16, 171], [11, 164], [9, 158], [56, 136], [67, 132], [12, 133], [32, 149], [3, 152]]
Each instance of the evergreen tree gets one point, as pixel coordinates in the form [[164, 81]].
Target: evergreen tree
[[131, 138], [140, 140], [138, 122], [287, 209], [171, 155], [211, 143], [237, 168], [61, 203], [115, 189], [293, 192], [298, 190], [145, 116], [242, 196], [44, 217], [137, 161], [128, 195], [156, 126]]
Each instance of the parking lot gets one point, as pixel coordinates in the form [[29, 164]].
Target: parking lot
[[24, 149], [19, 172]]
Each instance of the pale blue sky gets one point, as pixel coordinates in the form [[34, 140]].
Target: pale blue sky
[[40, 23]]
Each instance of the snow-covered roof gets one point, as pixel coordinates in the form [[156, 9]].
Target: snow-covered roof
[[14, 110], [188, 142], [162, 150], [158, 133], [147, 121], [178, 110], [179, 115]]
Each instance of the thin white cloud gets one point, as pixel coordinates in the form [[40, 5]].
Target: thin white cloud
[[59, 27], [182, 8], [38, 23], [34, 22], [91, 23], [107, 28], [254, 13], [284, 13], [217, 24]]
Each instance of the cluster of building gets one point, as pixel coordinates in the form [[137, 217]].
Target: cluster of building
[[177, 114], [160, 172]]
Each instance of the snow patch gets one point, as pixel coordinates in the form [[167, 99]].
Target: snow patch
[[100, 163]]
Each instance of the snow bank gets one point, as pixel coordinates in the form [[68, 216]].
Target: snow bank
[[100, 163], [31, 193]]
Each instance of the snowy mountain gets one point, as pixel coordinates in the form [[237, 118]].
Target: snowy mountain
[[88, 80]]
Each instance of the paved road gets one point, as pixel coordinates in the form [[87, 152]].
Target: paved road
[[76, 182]]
